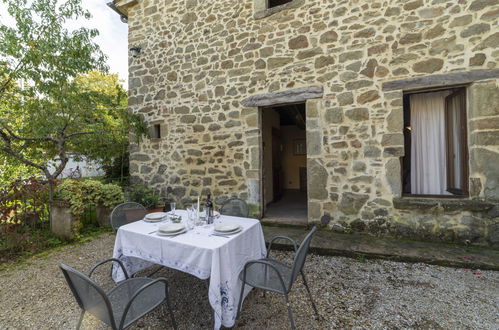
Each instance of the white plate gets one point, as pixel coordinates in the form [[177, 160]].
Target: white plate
[[237, 230], [171, 228], [226, 227], [153, 220], [155, 216], [171, 234]]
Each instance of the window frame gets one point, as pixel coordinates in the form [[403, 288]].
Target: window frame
[[407, 142], [157, 131], [261, 8], [275, 6], [461, 92]]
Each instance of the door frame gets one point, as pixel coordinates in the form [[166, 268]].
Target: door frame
[[261, 153]]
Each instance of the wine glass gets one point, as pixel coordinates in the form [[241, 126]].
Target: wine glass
[[173, 205]]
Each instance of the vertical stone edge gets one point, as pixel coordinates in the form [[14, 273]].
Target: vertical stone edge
[[253, 119], [483, 137], [317, 175]]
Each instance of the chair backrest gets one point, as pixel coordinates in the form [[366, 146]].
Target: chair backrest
[[235, 207], [89, 295], [301, 255], [125, 213]]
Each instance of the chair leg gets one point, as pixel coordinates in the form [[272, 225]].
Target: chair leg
[[154, 272], [81, 319], [170, 310], [290, 313], [310, 295]]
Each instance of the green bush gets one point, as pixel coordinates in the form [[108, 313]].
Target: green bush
[[118, 171], [111, 195], [79, 193], [142, 195], [24, 202]]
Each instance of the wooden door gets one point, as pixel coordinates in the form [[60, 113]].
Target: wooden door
[[456, 143], [277, 176]]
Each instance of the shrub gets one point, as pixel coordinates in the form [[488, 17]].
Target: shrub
[[80, 193], [118, 171], [142, 195], [24, 217], [24, 203]]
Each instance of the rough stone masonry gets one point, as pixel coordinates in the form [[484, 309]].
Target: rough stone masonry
[[206, 67]]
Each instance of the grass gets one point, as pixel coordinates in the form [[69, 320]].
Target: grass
[[360, 258], [42, 243]]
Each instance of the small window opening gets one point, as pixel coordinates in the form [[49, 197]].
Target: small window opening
[[275, 3], [157, 131], [435, 132]]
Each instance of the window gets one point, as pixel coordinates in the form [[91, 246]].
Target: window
[[265, 8], [157, 131], [435, 132], [275, 3]]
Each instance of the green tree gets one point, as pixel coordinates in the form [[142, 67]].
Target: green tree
[[11, 169], [109, 113], [112, 109], [50, 102]]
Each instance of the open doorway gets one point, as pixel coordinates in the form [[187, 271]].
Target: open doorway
[[284, 164]]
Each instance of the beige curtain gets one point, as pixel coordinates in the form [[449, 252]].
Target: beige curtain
[[428, 148]]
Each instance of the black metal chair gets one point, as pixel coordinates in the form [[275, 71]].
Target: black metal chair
[[124, 304], [272, 275], [235, 207], [125, 213]]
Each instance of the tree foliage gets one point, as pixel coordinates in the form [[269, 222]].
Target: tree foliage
[[109, 117], [54, 97], [11, 169]]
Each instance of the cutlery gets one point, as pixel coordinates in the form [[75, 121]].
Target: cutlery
[[218, 235], [152, 232]]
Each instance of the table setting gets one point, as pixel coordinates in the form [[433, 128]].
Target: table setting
[[184, 240]]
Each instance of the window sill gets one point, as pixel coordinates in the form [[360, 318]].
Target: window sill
[[262, 13], [155, 140], [448, 204]]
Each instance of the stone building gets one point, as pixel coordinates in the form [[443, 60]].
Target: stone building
[[388, 110]]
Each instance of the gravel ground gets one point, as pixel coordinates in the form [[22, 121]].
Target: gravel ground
[[349, 294]]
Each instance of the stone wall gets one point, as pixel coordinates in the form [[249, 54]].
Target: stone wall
[[201, 59]]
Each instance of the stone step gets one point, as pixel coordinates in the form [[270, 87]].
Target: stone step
[[285, 222], [363, 246]]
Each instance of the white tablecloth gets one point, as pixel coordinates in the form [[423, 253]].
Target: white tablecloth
[[195, 252]]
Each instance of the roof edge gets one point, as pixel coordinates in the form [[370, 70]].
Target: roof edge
[[123, 16]]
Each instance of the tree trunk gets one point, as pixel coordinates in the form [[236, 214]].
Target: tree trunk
[[51, 199], [51, 190]]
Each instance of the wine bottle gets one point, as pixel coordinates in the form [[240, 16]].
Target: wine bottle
[[209, 210]]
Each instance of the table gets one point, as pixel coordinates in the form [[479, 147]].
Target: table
[[218, 258]]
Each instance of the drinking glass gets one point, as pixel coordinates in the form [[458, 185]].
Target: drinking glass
[[191, 217], [172, 207], [218, 219]]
